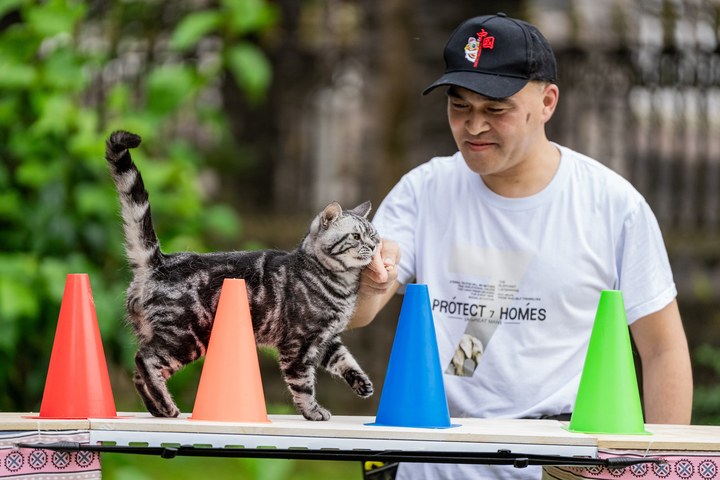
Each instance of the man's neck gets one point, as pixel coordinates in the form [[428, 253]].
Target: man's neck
[[528, 178]]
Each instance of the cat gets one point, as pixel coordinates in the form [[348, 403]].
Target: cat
[[300, 301]]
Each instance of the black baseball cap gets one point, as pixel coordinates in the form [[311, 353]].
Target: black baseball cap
[[496, 56]]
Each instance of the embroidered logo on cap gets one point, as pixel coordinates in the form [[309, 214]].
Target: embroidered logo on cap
[[475, 46]]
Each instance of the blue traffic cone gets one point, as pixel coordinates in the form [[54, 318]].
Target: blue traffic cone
[[413, 394]]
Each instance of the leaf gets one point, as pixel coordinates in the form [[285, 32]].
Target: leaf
[[8, 5], [4, 179], [85, 142], [184, 243], [18, 298], [9, 105], [38, 173], [168, 88], [18, 265], [222, 220], [51, 18], [53, 272], [56, 114], [140, 121], [247, 16], [95, 199], [15, 75], [250, 68], [63, 71], [118, 98], [20, 44], [10, 205], [193, 27]]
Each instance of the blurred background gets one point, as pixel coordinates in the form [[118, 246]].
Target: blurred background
[[255, 114]]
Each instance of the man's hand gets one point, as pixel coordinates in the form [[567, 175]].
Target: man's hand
[[378, 282], [380, 275]]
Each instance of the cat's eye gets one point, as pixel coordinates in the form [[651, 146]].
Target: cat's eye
[[355, 236]]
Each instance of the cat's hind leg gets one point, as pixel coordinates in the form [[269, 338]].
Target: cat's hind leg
[[151, 374], [339, 362]]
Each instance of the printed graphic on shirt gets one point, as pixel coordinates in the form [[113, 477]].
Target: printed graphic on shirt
[[485, 292]]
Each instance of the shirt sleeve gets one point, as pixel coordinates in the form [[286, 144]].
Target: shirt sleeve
[[396, 218], [645, 276]]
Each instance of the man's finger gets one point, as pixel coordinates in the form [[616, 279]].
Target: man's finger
[[381, 275]]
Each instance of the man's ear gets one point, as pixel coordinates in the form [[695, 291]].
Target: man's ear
[[551, 94]]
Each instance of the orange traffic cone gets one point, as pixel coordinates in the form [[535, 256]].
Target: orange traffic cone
[[230, 388], [77, 383]]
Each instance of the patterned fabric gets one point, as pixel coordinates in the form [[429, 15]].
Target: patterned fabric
[[679, 465], [31, 463]]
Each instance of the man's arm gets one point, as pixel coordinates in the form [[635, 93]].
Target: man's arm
[[378, 283], [667, 375]]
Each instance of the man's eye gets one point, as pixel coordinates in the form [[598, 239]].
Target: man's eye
[[460, 106], [495, 110]]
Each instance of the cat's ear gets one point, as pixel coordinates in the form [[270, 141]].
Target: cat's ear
[[331, 213], [363, 209]]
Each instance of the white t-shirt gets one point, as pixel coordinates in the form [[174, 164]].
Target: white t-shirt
[[515, 282]]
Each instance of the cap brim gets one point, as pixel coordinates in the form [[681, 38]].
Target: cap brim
[[485, 84]]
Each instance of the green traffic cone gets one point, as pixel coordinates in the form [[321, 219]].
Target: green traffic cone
[[608, 399]]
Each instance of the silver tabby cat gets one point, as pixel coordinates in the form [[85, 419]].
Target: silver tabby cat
[[300, 301]]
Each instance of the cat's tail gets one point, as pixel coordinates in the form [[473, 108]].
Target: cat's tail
[[141, 242]]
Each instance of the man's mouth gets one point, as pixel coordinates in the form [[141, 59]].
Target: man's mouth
[[478, 145]]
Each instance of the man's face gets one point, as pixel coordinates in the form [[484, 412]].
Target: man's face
[[497, 137]]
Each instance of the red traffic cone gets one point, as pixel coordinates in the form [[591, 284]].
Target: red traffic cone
[[230, 388], [77, 383]]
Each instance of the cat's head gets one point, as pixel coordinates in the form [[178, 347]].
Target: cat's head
[[342, 239]]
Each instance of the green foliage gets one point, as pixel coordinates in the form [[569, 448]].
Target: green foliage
[[233, 19], [62, 91], [706, 397], [136, 467], [194, 27], [250, 68]]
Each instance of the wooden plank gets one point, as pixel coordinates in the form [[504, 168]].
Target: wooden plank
[[536, 432], [700, 438], [30, 422], [501, 431]]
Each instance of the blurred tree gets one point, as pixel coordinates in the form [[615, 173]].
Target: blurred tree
[[73, 71]]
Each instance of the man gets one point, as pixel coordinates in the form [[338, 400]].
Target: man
[[516, 238]]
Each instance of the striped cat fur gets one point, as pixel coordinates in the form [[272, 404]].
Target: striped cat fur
[[300, 301]]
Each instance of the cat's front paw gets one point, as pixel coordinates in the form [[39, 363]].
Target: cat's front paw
[[316, 413], [161, 409], [168, 411], [360, 383]]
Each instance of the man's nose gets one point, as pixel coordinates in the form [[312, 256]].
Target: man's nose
[[477, 124]]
